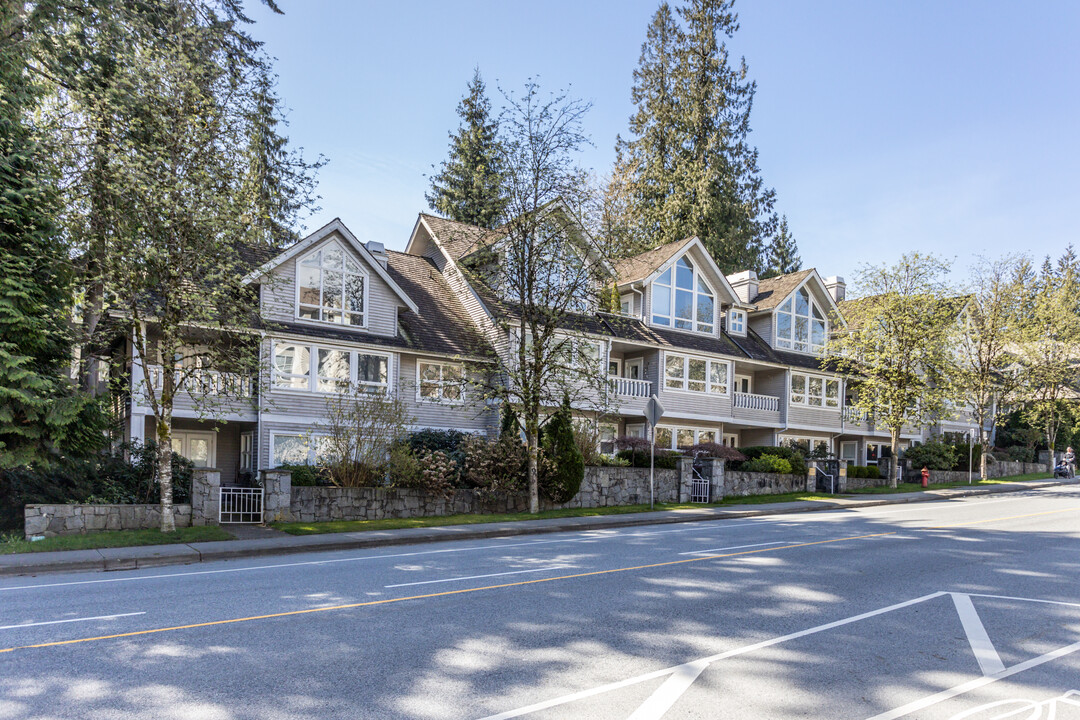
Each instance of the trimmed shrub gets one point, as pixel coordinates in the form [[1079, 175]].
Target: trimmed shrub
[[933, 454], [794, 457], [308, 475], [494, 467], [768, 464], [563, 468], [1021, 453], [869, 472], [715, 450], [635, 451]]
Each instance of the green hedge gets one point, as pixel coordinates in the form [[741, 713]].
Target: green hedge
[[869, 472], [794, 457]]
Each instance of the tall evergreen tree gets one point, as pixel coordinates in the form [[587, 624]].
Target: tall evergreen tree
[[41, 418], [694, 171], [782, 254], [469, 188]]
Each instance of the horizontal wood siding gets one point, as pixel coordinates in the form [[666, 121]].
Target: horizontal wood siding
[[801, 415], [762, 325], [474, 415], [757, 436], [279, 295]]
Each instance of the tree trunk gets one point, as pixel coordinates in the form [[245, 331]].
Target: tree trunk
[[894, 476], [534, 475], [164, 468]]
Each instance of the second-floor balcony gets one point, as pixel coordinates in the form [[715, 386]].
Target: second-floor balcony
[[203, 382], [751, 406], [630, 387], [854, 416]]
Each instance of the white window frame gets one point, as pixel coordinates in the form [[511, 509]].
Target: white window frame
[[685, 379], [811, 441], [854, 459], [790, 342], [697, 432], [808, 380], [313, 368], [626, 304], [731, 439], [670, 320], [310, 441], [441, 383], [186, 436], [347, 257], [736, 321], [247, 450]]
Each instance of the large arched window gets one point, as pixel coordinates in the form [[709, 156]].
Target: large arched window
[[687, 303], [801, 324], [331, 287]]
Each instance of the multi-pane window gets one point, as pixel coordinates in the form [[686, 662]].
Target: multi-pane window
[[682, 299], [440, 381], [737, 322], [328, 370], [680, 438], [815, 391], [330, 287], [801, 323], [296, 449], [682, 372]]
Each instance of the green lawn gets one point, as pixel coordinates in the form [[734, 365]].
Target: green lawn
[[119, 538], [916, 487]]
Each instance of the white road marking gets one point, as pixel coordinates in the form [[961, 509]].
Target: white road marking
[[736, 547], [706, 660], [975, 684], [1033, 600], [673, 688], [985, 652], [476, 577], [71, 620]]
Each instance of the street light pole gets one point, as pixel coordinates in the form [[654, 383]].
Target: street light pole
[[970, 455]]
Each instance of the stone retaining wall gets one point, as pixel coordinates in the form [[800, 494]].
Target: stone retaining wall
[[53, 520], [994, 471], [602, 487], [739, 483]]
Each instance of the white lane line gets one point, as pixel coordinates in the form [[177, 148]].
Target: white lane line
[[736, 547], [71, 620], [476, 577], [985, 652], [667, 694], [588, 536], [1021, 599], [581, 695], [975, 684]]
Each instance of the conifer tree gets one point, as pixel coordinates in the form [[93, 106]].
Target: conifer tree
[[782, 255], [468, 187], [41, 417]]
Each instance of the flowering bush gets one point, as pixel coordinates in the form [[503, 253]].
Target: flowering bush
[[715, 450]]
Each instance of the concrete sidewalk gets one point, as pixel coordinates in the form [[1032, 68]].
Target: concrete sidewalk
[[130, 558]]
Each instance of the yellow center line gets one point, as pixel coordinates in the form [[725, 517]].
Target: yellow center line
[[519, 583], [387, 601]]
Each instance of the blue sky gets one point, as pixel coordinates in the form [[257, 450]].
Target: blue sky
[[939, 126]]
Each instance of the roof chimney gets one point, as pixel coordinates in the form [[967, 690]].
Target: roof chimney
[[745, 284], [836, 287], [379, 251]]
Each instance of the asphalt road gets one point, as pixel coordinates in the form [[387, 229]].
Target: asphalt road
[[961, 609]]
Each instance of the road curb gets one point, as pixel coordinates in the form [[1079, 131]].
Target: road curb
[[109, 559]]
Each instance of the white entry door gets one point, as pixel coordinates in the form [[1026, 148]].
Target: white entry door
[[633, 368], [198, 447]]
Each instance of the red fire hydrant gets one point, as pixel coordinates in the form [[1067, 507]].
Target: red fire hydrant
[[925, 477]]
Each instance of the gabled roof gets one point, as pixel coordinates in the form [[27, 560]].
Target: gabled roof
[[334, 226], [458, 239], [646, 266], [641, 266], [773, 291]]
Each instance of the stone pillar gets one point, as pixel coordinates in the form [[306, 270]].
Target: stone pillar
[[714, 469], [811, 476], [686, 478], [277, 495], [841, 479], [205, 496]]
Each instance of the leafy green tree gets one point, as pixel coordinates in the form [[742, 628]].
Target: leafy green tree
[[164, 128], [1051, 345], [564, 465], [41, 417], [468, 187], [897, 344], [782, 255]]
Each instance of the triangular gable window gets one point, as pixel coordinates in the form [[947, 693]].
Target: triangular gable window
[[801, 323], [331, 287], [688, 303]]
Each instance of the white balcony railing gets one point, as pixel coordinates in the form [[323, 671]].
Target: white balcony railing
[[750, 401], [207, 382], [854, 416], [629, 387]]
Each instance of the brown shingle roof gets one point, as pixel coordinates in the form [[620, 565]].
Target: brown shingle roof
[[772, 291], [442, 325], [642, 265], [460, 239]]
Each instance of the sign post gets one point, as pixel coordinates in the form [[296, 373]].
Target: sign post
[[653, 412]]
